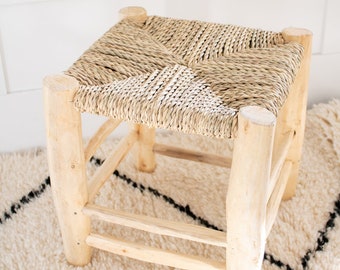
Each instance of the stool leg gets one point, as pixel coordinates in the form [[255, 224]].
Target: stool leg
[[293, 114], [246, 198], [67, 166], [146, 157]]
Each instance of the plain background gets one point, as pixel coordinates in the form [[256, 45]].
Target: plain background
[[41, 37]]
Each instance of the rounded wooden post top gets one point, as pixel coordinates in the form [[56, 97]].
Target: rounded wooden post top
[[60, 82], [258, 115], [292, 31], [300, 35], [137, 13]]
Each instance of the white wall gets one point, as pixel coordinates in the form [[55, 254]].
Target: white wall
[[40, 37]]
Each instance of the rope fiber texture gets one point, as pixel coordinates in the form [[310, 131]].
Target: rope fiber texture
[[183, 75]]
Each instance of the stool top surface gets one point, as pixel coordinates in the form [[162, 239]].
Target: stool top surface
[[184, 75]]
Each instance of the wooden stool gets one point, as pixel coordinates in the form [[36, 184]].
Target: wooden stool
[[202, 78]]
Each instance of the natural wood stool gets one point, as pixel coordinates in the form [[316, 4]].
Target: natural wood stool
[[202, 78]]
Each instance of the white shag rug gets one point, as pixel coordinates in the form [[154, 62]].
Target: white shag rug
[[306, 234]]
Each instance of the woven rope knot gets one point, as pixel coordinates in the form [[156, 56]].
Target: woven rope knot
[[184, 75]]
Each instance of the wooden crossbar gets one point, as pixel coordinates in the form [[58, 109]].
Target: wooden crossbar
[[276, 196], [177, 152], [99, 137], [151, 254], [158, 226], [279, 157], [110, 164]]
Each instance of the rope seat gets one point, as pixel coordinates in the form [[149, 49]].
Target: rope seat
[[189, 76]]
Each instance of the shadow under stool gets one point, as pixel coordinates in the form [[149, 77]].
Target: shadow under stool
[[215, 80]]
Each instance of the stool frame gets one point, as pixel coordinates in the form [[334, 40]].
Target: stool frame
[[264, 169]]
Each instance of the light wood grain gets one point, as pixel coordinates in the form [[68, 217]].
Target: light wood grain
[[151, 254], [276, 197], [146, 157], [67, 166], [177, 152], [99, 137], [158, 226], [135, 13], [246, 199], [279, 157], [110, 164], [293, 114]]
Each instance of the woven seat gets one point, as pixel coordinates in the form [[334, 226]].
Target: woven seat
[[183, 75], [215, 80]]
